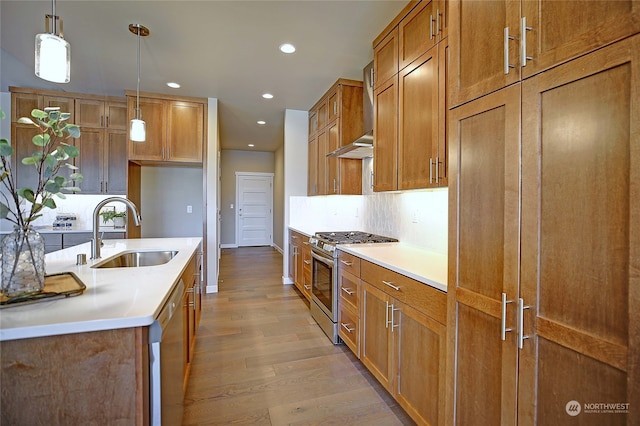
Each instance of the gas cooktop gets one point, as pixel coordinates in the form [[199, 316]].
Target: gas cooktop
[[355, 237]]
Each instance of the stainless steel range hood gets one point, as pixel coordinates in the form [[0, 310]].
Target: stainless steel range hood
[[363, 146]]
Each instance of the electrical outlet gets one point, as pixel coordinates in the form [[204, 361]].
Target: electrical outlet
[[415, 215], [189, 209]]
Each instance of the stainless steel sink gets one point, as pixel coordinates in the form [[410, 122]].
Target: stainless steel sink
[[135, 259]]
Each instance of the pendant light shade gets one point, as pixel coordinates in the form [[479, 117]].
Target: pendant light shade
[[53, 52], [137, 127], [138, 130]]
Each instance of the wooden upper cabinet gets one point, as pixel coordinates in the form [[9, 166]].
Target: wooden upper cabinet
[[114, 162], [385, 146], [418, 122], [385, 58], [90, 160], [333, 102], [185, 131], [313, 122], [312, 180], [418, 32], [483, 56], [322, 169], [65, 104], [23, 103], [154, 113], [96, 113], [560, 31], [323, 114], [175, 130]]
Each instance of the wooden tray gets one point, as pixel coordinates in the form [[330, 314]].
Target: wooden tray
[[56, 286]]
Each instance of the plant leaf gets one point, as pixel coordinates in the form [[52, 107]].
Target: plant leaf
[[2, 114], [41, 139], [71, 151], [25, 120], [4, 211], [38, 113], [27, 194], [5, 149], [73, 130], [49, 202], [29, 161]]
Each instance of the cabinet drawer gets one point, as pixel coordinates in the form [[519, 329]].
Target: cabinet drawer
[[73, 239], [419, 296], [349, 329], [349, 289], [306, 257], [348, 262]]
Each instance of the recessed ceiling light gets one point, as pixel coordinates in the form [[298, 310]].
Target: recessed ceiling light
[[173, 85], [261, 122], [287, 48], [251, 145], [267, 96]]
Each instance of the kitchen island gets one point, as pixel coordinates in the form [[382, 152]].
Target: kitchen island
[[84, 359]]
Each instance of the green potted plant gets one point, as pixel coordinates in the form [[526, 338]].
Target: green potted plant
[[23, 249], [118, 218]]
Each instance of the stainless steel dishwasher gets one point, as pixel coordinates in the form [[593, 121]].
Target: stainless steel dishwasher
[[166, 362]]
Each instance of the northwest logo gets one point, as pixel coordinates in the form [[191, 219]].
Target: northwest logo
[[573, 408]]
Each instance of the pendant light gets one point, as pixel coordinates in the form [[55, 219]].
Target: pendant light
[[138, 131], [53, 52]]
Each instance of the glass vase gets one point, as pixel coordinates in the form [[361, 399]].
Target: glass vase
[[22, 262]]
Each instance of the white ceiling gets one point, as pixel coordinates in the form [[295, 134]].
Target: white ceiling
[[217, 49]]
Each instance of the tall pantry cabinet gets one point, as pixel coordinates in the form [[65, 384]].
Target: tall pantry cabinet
[[544, 226]]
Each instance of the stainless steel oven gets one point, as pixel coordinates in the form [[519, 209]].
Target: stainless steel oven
[[324, 275]]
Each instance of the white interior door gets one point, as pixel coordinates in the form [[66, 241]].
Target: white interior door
[[254, 217]]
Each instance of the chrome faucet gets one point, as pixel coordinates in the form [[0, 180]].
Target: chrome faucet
[[96, 242]]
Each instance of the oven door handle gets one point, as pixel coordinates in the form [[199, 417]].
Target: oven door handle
[[321, 259]]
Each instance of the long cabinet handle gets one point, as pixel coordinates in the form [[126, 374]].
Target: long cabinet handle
[[390, 284], [437, 170], [348, 291], [344, 262], [386, 316], [393, 320], [346, 327], [503, 327], [521, 336], [431, 35], [523, 41], [430, 170], [438, 21], [507, 37]]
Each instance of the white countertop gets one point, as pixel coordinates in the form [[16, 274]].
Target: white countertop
[[422, 265], [114, 298], [303, 230], [73, 230]]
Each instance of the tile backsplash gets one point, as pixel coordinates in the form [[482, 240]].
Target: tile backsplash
[[416, 217]]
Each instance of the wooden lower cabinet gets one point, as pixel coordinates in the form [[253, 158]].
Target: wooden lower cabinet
[[191, 279], [300, 262], [544, 299], [399, 335]]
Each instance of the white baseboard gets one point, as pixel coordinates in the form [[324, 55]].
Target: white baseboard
[[278, 249], [211, 289], [223, 246], [287, 280]]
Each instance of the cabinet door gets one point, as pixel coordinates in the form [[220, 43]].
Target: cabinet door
[[417, 33], [385, 145], [418, 122], [333, 163], [385, 59], [115, 162], [478, 37], [65, 104], [313, 122], [333, 103], [376, 353], [185, 132], [89, 161], [322, 115], [23, 103], [581, 237], [323, 148], [440, 153], [154, 114], [483, 258], [420, 347], [312, 179], [21, 136], [116, 113], [562, 30], [90, 113]]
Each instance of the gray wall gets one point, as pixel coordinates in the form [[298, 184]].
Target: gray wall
[[238, 161], [166, 192], [278, 200]]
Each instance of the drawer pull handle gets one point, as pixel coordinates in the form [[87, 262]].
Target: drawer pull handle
[[344, 262], [308, 262], [306, 243], [346, 327], [391, 285], [307, 287], [348, 291]]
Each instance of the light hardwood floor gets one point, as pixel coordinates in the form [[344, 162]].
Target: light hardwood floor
[[260, 359]]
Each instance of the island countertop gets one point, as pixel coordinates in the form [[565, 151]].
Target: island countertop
[[114, 297]]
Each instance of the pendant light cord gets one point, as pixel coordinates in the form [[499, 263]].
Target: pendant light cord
[[138, 86], [53, 17]]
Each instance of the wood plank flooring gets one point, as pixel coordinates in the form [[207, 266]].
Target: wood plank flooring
[[260, 359]]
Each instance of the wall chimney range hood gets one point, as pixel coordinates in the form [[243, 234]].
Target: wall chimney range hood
[[363, 146]]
